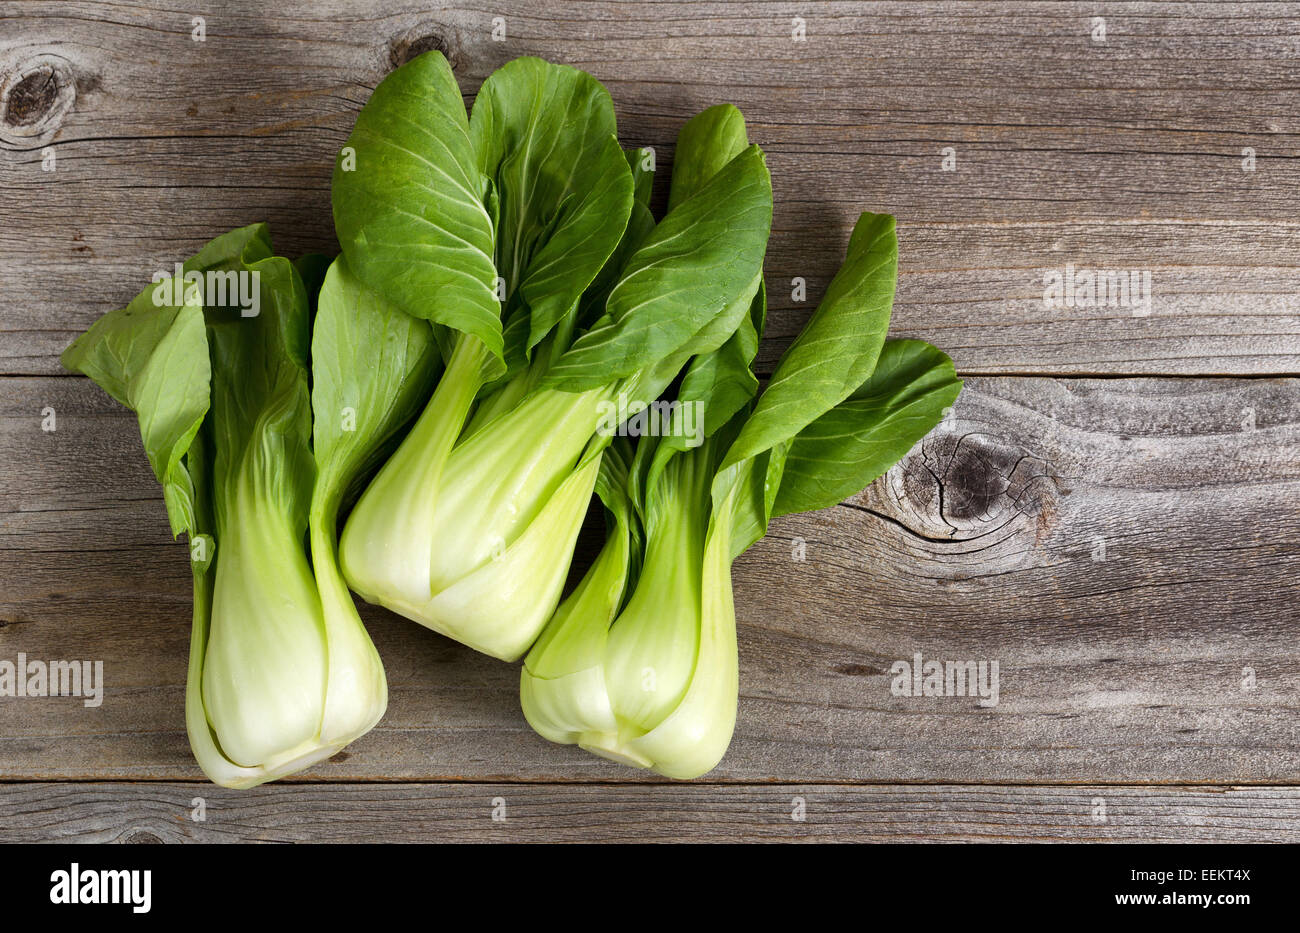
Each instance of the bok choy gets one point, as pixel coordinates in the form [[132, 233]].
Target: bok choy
[[470, 527], [282, 673], [456, 385], [639, 664]]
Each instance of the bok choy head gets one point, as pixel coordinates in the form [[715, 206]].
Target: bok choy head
[[469, 528], [282, 674], [639, 664]]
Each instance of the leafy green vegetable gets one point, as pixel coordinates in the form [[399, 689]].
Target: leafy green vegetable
[[410, 203], [371, 366], [698, 268], [862, 437], [469, 528], [641, 667], [152, 357], [281, 673], [546, 136], [527, 198], [506, 293]]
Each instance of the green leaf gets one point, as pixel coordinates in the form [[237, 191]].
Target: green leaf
[[373, 367], [837, 350], [312, 269], [592, 304], [234, 250], [829, 360], [861, 438], [705, 144], [546, 135], [152, 356], [703, 260], [154, 360], [720, 381], [410, 213], [643, 177]]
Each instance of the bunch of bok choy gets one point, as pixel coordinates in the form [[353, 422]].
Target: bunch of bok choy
[[454, 388]]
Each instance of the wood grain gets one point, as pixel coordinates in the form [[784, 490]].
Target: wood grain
[[164, 813], [980, 545], [1123, 154], [1123, 547]]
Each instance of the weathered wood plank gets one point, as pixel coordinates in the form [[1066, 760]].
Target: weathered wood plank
[[979, 546], [135, 813], [1123, 154]]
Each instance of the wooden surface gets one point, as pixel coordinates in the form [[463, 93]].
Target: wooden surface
[[1162, 679], [534, 812]]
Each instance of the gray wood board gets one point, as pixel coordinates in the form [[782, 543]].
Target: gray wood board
[[1125, 154], [152, 813], [1124, 548]]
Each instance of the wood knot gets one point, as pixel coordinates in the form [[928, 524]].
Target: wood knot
[[35, 96], [960, 485], [424, 39], [142, 838], [31, 98]]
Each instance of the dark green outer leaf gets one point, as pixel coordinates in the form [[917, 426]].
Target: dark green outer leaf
[[702, 260], [234, 250], [827, 362], [837, 349], [411, 217], [546, 135], [705, 144], [718, 377], [721, 380], [858, 440]]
